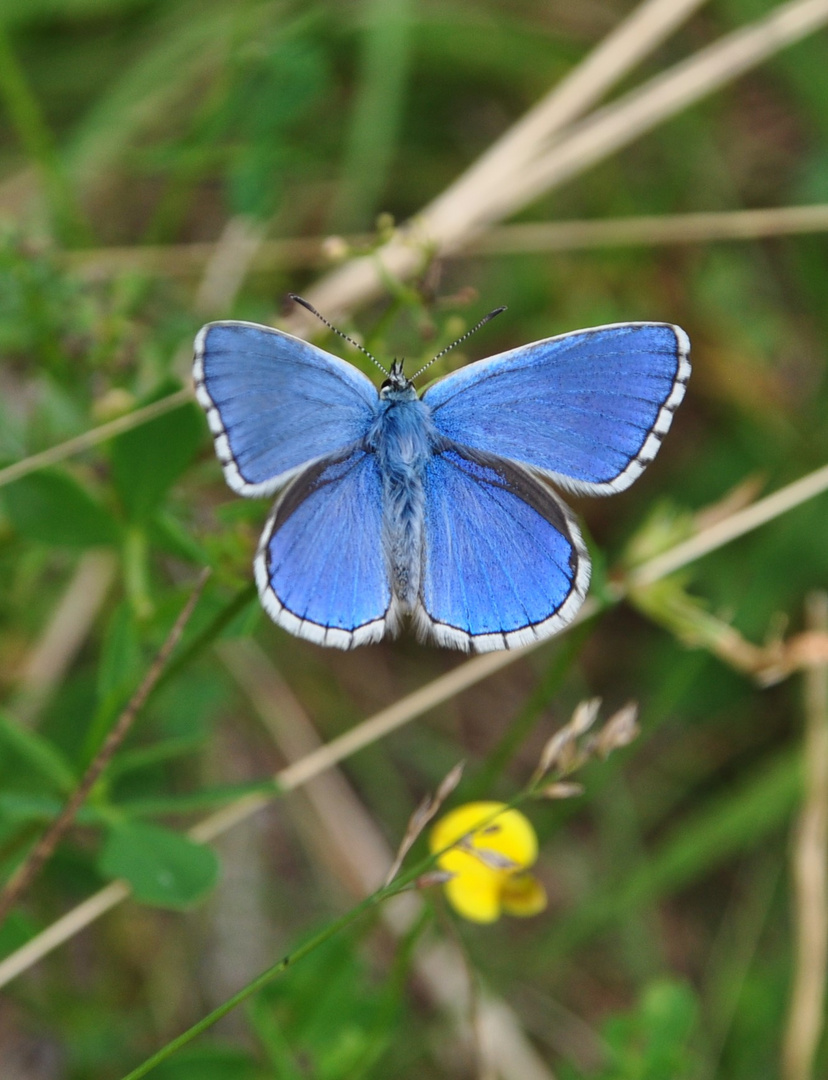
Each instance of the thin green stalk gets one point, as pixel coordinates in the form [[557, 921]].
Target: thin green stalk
[[275, 970]]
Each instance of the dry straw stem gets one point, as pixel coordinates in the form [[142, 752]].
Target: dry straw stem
[[413, 705], [810, 872], [183, 260], [452, 221], [67, 630], [31, 866], [655, 229], [62, 451]]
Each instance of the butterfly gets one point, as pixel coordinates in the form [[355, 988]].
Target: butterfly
[[436, 506]]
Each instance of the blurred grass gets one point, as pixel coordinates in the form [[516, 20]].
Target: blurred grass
[[137, 122]]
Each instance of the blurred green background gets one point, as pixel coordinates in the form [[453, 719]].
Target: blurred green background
[[133, 134]]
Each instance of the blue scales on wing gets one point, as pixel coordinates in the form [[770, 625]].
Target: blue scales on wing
[[504, 562], [275, 403], [589, 408], [320, 567]]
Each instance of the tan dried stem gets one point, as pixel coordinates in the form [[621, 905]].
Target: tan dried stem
[[810, 873], [183, 260], [64, 635], [652, 229], [31, 866], [55, 454]]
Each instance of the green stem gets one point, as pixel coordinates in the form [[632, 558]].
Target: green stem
[[136, 571], [272, 973]]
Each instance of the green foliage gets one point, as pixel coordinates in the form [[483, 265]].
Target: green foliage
[[53, 508], [339, 1021], [149, 459], [32, 750], [163, 867], [653, 1041]]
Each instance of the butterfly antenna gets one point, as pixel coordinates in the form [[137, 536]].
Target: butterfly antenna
[[356, 344], [454, 344]]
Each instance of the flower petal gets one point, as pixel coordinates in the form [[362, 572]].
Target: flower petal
[[509, 833], [523, 895]]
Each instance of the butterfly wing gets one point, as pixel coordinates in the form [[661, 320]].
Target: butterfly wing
[[589, 408], [275, 402], [320, 566], [504, 563]]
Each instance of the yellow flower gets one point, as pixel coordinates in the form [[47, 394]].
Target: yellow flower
[[494, 847]]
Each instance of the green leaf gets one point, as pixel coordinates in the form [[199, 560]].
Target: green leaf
[[53, 508], [17, 929], [220, 795], [149, 459], [121, 665], [653, 1040], [163, 867], [39, 752]]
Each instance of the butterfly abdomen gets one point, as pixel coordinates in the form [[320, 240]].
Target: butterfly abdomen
[[402, 437]]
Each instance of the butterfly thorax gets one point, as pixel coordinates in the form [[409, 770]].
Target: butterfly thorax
[[403, 437]]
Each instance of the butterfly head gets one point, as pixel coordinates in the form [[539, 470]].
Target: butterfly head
[[397, 385]]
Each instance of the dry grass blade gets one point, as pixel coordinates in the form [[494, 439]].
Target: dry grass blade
[[358, 854], [65, 634], [229, 265], [55, 454], [184, 260], [650, 230], [810, 872], [633, 39], [424, 813], [722, 532]]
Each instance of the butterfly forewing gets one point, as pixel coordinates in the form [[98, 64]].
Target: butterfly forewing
[[588, 408], [274, 402]]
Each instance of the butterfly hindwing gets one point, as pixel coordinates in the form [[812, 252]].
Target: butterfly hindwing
[[504, 563], [275, 403], [320, 566], [589, 408]]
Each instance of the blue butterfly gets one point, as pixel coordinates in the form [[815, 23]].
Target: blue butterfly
[[436, 507]]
